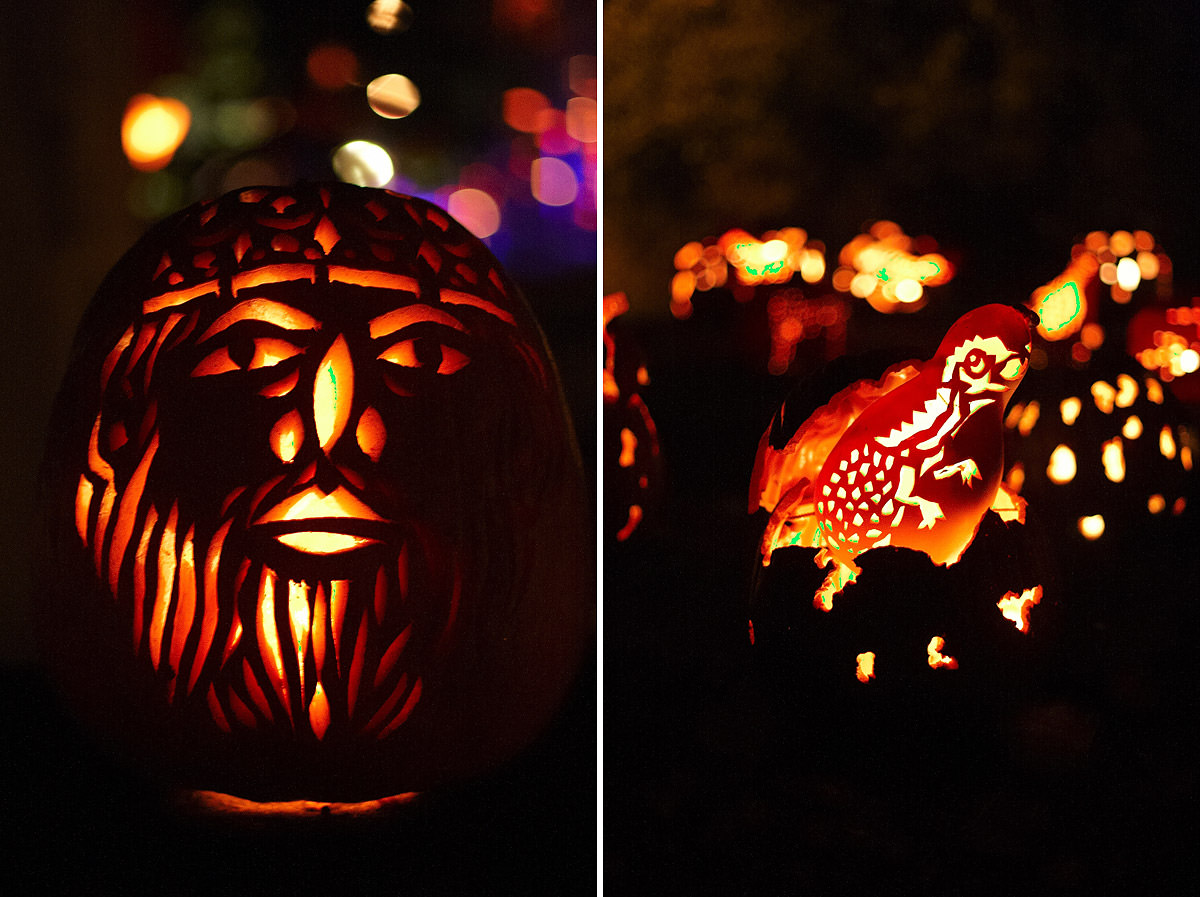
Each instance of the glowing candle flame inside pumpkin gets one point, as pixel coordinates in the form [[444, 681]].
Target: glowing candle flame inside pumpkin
[[913, 460]]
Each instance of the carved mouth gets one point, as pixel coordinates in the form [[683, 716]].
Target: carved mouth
[[323, 523]]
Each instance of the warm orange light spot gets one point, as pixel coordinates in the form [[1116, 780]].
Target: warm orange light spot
[[287, 436], [318, 712], [1016, 477], [371, 433], [1092, 335], [1016, 607], [1156, 503], [1129, 275], [323, 542], [628, 448], [1092, 527], [581, 119], [152, 130], [333, 393], [83, 504], [1178, 506], [1166, 442], [1013, 417], [1062, 466], [1104, 396], [1127, 391], [185, 611], [1185, 457], [1112, 456], [1029, 417], [1132, 427], [865, 666], [1070, 408], [521, 107], [301, 620], [1154, 391], [938, 660], [631, 522]]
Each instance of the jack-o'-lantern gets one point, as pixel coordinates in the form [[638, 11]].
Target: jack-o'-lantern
[[314, 521], [898, 475]]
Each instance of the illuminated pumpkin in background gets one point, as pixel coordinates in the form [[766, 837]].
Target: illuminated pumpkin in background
[[913, 460], [314, 513]]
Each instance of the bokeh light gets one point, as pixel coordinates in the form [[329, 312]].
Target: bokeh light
[[389, 16], [476, 210], [393, 96], [363, 163], [553, 182], [521, 107], [152, 130]]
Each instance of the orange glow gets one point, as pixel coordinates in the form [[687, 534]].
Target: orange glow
[[1016, 607], [1132, 428], [152, 129], [268, 636], [888, 463], [1070, 408], [312, 503], [581, 119], [1104, 396], [631, 522], [1062, 466], [166, 583], [380, 280], [322, 542], [1156, 503], [371, 434], [938, 660], [521, 107], [226, 804], [333, 393], [265, 310], [1166, 442], [628, 447], [318, 712], [879, 266], [865, 666], [185, 610], [1016, 477], [287, 436], [1029, 418], [1092, 527], [408, 315], [1113, 458], [301, 621]]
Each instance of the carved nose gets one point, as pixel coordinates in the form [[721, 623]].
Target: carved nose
[[333, 394]]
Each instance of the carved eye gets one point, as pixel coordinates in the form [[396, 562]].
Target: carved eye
[[975, 362], [246, 354], [426, 353]]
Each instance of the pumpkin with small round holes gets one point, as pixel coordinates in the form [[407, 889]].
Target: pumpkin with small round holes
[[314, 519]]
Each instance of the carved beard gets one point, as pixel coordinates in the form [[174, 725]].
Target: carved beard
[[265, 638]]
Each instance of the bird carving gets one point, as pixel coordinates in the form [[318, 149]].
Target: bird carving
[[913, 460]]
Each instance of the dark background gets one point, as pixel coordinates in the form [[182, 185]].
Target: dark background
[[73, 817], [1058, 762]]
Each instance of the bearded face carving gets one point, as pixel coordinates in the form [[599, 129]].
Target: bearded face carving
[[312, 488]]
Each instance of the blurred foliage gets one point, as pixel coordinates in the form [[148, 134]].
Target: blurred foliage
[[972, 120]]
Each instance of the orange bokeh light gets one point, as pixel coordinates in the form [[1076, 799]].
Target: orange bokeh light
[[152, 129]]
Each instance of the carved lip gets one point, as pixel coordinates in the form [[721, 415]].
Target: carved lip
[[323, 523]]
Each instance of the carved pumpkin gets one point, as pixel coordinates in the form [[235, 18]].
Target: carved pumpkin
[[908, 464], [314, 517]]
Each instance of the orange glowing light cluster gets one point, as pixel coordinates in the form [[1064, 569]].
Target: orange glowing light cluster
[[881, 267], [637, 455], [793, 318], [938, 660], [1167, 341], [890, 462], [1120, 261], [152, 129], [865, 666], [775, 258], [1016, 607]]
